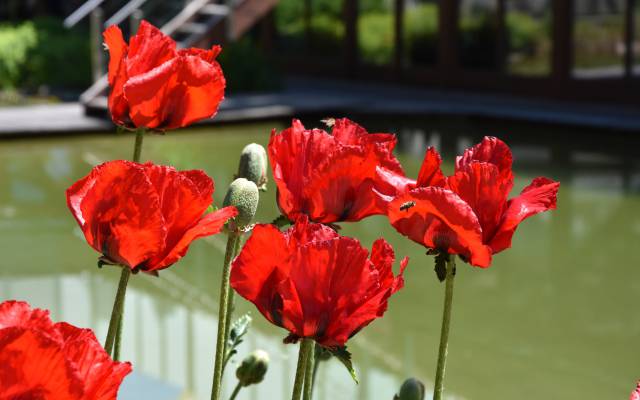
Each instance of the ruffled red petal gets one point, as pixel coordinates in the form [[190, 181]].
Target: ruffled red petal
[[148, 48], [261, 266], [118, 211], [118, 105], [490, 150], [175, 94], [539, 196], [437, 218], [332, 178], [208, 225], [100, 375], [635, 395], [42, 360], [314, 283], [482, 187], [430, 173]]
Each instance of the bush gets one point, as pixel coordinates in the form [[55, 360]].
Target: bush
[[62, 57], [421, 32], [15, 45], [376, 37]]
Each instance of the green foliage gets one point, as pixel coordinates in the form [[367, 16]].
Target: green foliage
[[344, 356], [247, 68], [236, 335], [376, 37], [62, 57], [43, 52], [15, 44], [525, 31], [421, 32]]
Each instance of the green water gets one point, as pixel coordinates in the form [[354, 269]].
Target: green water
[[555, 317]]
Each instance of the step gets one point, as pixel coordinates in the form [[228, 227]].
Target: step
[[194, 28], [215, 9]]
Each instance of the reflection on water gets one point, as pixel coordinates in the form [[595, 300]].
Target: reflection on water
[[553, 317]]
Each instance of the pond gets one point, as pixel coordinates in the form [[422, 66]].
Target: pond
[[555, 317]]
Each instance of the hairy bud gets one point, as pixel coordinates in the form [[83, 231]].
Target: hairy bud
[[253, 165], [243, 195], [253, 368]]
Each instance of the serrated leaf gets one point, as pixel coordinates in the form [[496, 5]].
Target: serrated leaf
[[342, 354], [281, 221], [237, 331]]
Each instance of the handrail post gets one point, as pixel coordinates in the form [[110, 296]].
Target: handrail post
[[134, 21], [97, 52]]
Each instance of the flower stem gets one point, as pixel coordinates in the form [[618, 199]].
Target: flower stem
[[118, 309], [236, 391], [306, 347], [137, 149], [230, 306], [444, 333], [222, 316], [308, 375]]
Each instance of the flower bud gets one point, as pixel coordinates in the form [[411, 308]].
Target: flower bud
[[253, 368], [243, 195], [411, 389], [253, 165]]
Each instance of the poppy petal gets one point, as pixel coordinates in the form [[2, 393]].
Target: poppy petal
[[539, 196], [118, 105], [100, 375], [184, 197], [439, 219], [175, 94], [208, 225], [148, 49], [115, 203], [482, 187], [490, 150], [430, 173]]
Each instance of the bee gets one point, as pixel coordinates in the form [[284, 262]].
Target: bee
[[407, 205], [329, 122]]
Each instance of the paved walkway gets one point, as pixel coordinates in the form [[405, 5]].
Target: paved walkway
[[341, 98]]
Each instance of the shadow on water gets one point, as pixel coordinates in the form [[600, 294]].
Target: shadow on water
[[552, 317]]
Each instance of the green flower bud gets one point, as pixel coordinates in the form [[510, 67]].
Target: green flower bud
[[253, 368], [253, 165], [411, 389], [242, 194]]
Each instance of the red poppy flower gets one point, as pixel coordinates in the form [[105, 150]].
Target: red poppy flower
[[314, 282], [330, 177], [144, 216], [635, 395], [469, 212], [156, 86], [43, 360]]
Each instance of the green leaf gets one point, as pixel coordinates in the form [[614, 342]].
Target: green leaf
[[342, 354], [237, 331], [281, 221]]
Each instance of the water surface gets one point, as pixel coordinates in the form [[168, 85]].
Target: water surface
[[555, 317]]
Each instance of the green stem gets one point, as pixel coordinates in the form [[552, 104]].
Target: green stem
[[137, 149], [222, 316], [306, 347], [236, 391], [317, 351], [230, 306], [308, 374], [444, 333], [116, 345], [118, 309]]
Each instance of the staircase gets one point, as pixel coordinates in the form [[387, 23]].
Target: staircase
[[200, 23]]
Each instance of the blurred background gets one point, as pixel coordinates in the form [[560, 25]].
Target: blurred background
[[554, 317]]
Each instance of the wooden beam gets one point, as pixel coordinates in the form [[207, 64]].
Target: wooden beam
[[629, 36], [350, 8], [448, 12], [501, 37], [562, 52], [398, 37]]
